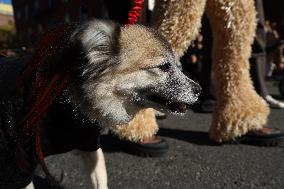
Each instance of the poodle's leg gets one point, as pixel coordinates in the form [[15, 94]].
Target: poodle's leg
[[30, 186], [179, 21], [141, 127], [239, 108], [95, 166]]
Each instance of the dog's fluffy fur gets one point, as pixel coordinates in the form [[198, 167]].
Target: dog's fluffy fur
[[114, 70], [117, 67]]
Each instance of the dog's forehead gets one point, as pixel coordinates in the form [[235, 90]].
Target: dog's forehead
[[145, 42]]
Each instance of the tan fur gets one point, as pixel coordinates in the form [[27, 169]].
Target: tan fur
[[179, 21], [239, 108], [150, 50], [141, 127]]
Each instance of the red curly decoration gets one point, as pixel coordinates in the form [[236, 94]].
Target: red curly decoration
[[46, 92], [134, 13]]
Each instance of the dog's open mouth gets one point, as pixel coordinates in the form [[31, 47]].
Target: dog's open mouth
[[175, 107], [173, 104]]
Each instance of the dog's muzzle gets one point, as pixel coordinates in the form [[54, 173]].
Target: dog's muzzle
[[175, 92], [176, 97]]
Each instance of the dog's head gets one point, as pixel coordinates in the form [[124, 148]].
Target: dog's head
[[120, 66]]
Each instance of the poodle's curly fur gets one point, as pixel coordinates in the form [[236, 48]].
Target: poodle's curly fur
[[142, 126]]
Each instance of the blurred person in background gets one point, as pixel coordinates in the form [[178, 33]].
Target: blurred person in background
[[279, 52], [192, 60], [265, 40], [207, 100], [271, 44]]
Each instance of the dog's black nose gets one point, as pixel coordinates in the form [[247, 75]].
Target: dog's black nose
[[196, 89]]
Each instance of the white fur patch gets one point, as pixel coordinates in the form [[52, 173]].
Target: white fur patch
[[95, 163], [30, 186]]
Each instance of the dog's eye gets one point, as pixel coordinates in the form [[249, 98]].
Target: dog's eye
[[165, 67]]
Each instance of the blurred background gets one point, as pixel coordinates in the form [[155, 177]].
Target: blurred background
[[23, 22]]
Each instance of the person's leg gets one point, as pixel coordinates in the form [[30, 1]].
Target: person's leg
[[270, 65], [179, 21], [257, 64], [239, 108], [257, 73]]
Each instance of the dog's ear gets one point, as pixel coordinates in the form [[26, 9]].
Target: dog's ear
[[96, 44]]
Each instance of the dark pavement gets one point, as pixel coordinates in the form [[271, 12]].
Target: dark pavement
[[191, 163]]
